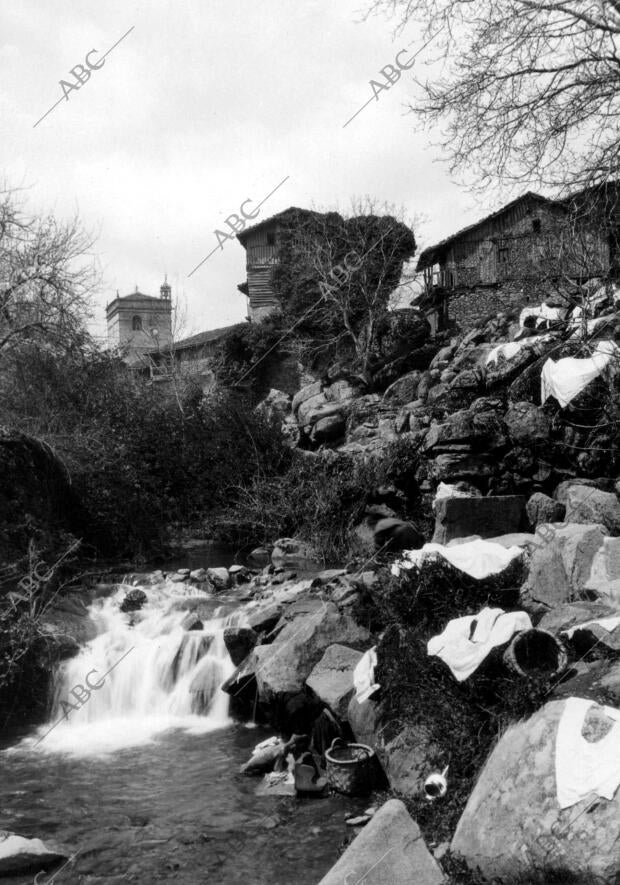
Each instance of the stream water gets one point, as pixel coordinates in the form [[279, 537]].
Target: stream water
[[137, 770]]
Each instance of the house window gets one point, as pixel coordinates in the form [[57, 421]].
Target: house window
[[271, 237], [136, 324], [536, 225], [503, 254]]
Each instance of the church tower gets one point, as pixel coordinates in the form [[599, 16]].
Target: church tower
[[139, 323]]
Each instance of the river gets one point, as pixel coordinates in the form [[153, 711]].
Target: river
[[141, 782]]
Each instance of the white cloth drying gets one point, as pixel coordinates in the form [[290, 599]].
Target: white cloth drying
[[512, 348], [542, 312], [476, 558], [444, 490], [466, 642], [609, 624], [583, 767], [566, 378], [364, 675]]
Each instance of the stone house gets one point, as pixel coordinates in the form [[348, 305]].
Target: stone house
[[510, 258]]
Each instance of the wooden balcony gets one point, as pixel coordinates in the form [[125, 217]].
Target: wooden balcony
[[261, 255]]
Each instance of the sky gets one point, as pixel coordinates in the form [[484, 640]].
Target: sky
[[201, 106]]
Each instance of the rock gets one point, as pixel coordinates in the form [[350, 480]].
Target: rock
[[293, 552], [591, 505], [176, 578], [540, 508], [513, 827], [306, 393], [239, 574], [191, 621], [406, 759], [397, 535], [239, 642], [364, 721], [326, 576], [133, 601], [342, 391], [260, 556], [309, 407], [452, 467], [332, 678], [328, 428], [404, 389], [69, 617], [198, 574], [19, 854], [264, 757], [219, 577], [310, 628], [527, 424], [389, 850], [564, 617], [604, 579], [263, 618], [561, 563], [275, 406], [458, 517]]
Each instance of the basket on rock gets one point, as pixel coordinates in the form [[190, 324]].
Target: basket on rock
[[350, 767]]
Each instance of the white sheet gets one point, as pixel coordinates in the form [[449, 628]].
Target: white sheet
[[512, 348], [466, 642], [609, 624], [583, 767], [477, 558], [364, 675], [444, 490], [566, 378], [541, 312]]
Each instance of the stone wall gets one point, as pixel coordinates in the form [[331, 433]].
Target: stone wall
[[469, 307]]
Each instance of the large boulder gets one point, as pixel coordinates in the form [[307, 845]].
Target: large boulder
[[457, 517], [19, 854], [561, 563], [275, 406], [389, 850], [219, 577], [404, 389], [364, 720], [239, 642], [407, 759], [328, 428], [310, 628], [571, 615], [291, 552], [332, 678], [452, 467], [527, 424], [604, 579], [589, 505], [513, 827]]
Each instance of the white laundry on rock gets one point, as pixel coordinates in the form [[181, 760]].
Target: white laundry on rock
[[466, 642], [566, 378], [444, 490], [364, 675], [541, 312], [477, 558], [511, 348], [581, 766], [610, 624]]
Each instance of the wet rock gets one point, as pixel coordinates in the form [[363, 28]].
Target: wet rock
[[19, 854], [590, 505], [198, 574], [326, 576], [239, 642], [389, 850], [191, 622], [264, 757], [560, 566], [332, 678], [260, 556], [309, 629], [540, 508], [219, 577], [513, 827], [527, 424], [458, 517], [68, 616], [293, 552], [264, 617], [133, 601], [239, 574]]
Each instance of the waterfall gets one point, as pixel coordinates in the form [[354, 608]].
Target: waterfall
[[142, 674]]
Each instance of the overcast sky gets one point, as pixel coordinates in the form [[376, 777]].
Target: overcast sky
[[201, 106]]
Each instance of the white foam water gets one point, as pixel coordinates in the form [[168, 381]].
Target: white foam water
[[141, 675]]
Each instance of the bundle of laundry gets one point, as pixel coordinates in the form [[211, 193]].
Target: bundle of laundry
[[445, 490], [584, 766], [584, 326], [566, 378], [541, 313], [364, 675], [610, 624], [511, 348], [477, 558], [467, 641]]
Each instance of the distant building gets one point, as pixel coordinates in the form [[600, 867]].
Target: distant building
[[261, 243], [511, 257], [139, 323]]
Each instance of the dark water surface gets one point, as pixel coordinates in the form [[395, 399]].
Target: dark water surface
[[174, 810]]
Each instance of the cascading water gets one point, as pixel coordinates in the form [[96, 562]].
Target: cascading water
[[142, 674]]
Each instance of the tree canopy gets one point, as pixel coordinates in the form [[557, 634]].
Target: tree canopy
[[524, 90]]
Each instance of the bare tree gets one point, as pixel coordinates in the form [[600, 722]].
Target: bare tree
[[524, 89], [46, 277]]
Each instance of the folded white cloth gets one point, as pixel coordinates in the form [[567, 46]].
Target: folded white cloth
[[477, 558], [583, 767], [466, 642], [512, 348], [364, 675], [610, 624], [566, 378], [542, 312], [444, 490]]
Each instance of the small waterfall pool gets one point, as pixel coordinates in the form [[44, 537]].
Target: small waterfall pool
[[136, 770]]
